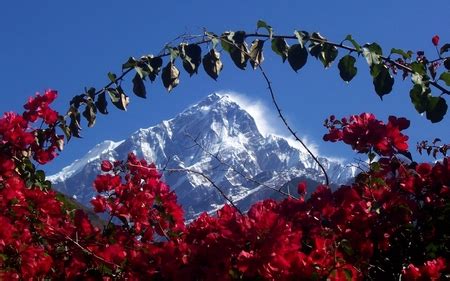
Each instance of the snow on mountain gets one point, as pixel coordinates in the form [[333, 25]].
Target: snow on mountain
[[251, 165]]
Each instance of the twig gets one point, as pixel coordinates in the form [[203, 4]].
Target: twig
[[274, 101], [234, 169], [197, 173]]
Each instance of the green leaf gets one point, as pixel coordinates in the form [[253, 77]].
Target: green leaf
[[302, 37], [328, 55], [419, 98], [170, 76], [139, 87], [383, 82], [297, 56], [347, 69], [256, 53], [436, 109], [239, 55], [118, 98], [101, 103], [280, 47], [445, 76], [131, 62], [90, 113], [112, 77], [447, 63], [226, 40], [354, 43], [192, 57], [213, 37], [155, 66], [74, 125], [405, 55], [444, 48], [263, 24], [212, 64], [372, 52], [418, 68]]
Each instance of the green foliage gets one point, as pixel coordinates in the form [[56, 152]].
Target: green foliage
[[423, 72]]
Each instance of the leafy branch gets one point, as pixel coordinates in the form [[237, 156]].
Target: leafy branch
[[423, 72]]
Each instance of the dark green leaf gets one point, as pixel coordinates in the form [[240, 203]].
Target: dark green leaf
[[112, 77], [436, 109], [383, 82], [347, 69], [239, 37], [155, 66], [256, 53], [192, 57], [212, 64], [263, 24], [74, 125], [66, 130], [444, 48], [130, 63], [317, 38], [419, 98], [328, 55], [445, 76], [118, 98], [447, 63], [101, 103], [139, 87], [297, 56], [354, 43], [280, 47], [170, 76], [239, 55], [226, 40], [405, 55], [418, 68], [90, 113], [372, 52]]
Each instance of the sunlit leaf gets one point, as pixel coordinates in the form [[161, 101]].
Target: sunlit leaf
[[256, 53], [372, 52], [170, 76], [212, 64]]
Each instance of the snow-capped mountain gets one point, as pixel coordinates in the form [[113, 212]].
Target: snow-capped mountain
[[218, 138]]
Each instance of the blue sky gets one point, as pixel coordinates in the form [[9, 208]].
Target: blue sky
[[69, 45]]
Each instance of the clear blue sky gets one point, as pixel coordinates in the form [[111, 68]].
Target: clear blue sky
[[69, 45]]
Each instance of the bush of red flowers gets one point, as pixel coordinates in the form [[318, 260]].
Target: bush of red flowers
[[390, 224]]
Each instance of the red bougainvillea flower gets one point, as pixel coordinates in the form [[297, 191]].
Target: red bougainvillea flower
[[435, 40], [106, 166]]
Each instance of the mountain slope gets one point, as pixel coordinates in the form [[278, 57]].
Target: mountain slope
[[215, 129]]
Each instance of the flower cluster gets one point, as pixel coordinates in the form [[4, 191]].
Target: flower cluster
[[390, 224], [365, 133]]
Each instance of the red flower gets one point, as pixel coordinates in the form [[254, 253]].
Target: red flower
[[301, 188], [106, 166], [435, 40]]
